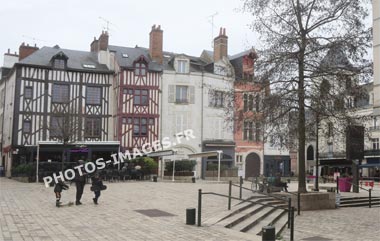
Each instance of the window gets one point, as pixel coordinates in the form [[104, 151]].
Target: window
[[245, 99], [151, 121], [375, 144], [128, 91], [140, 127], [89, 66], [251, 102], [140, 69], [129, 120], [93, 95], [56, 126], [182, 66], [216, 98], [140, 97], [59, 63], [124, 120], [248, 131], [28, 94], [181, 94], [27, 126], [330, 149], [2, 97], [252, 131], [60, 93], [330, 129], [92, 127]]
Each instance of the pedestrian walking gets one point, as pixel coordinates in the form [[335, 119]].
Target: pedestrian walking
[[59, 187], [80, 181], [97, 187]]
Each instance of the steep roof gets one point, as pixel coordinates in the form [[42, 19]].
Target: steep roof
[[336, 58], [76, 59]]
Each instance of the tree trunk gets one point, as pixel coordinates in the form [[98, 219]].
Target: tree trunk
[[301, 122]]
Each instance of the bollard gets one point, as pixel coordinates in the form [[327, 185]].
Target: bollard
[[369, 198], [299, 203], [337, 184], [229, 195], [190, 216], [292, 224], [199, 207], [289, 208], [154, 178], [193, 179], [268, 233], [241, 187]]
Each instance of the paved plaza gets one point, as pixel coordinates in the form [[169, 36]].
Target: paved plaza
[[28, 212]]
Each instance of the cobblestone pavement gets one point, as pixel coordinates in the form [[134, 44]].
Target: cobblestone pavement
[[28, 212]]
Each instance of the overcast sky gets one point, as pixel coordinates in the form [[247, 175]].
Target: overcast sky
[[72, 24]]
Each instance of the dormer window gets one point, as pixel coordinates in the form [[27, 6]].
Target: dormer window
[[140, 69], [59, 63], [181, 66]]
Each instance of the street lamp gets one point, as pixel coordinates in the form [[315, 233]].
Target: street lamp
[[317, 156]]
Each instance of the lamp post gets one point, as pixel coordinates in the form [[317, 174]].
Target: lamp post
[[38, 160], [219, 157], [317, 156]]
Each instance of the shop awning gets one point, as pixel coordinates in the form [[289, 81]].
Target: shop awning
[[369, 165]]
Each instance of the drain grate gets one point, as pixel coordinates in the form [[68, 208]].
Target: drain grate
[[317, 238], [154, 213]]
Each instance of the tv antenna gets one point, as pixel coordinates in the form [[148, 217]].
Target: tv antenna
[[211, 21], [108, 24], [35, 40]]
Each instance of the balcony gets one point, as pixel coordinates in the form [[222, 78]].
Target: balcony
[[374, 128], [372, 152], [326, 155]]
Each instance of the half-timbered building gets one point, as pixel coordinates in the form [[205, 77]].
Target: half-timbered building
[[57, 99], [137, 91]]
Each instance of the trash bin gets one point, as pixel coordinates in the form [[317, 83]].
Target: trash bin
[[190, 216], [269, 233]]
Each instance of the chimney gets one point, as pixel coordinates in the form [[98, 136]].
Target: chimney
[[26, 50], [101, 43], [220, 45], [94, 45], [155, 44]]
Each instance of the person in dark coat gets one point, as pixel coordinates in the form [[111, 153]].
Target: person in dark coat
[[97, 185], [80, 181], [59, 186]]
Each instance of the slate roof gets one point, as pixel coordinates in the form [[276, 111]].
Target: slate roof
[[136, 52], [336, 58], [76, 59]]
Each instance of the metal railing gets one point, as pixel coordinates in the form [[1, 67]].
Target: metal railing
[[290, 209], [368, 190]]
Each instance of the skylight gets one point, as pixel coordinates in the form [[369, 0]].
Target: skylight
[[125, 55], [89, 66]]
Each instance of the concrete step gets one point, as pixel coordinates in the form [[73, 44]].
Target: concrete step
[[256, 226], [279, 221], [359, 200], [360, 204]]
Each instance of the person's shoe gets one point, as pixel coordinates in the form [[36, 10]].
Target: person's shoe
[[78, 203], [95, 201], [57, 204]]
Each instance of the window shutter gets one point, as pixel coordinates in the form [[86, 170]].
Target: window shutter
[[171, 97], [210, 98], [191, 94]]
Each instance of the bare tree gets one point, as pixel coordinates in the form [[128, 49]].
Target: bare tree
[[64, 127], [297, 35]]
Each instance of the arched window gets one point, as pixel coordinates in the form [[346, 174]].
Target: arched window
[[140, 69], [310, 153]]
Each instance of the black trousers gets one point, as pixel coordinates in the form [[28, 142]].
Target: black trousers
[[97, 195], [80, 188]]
